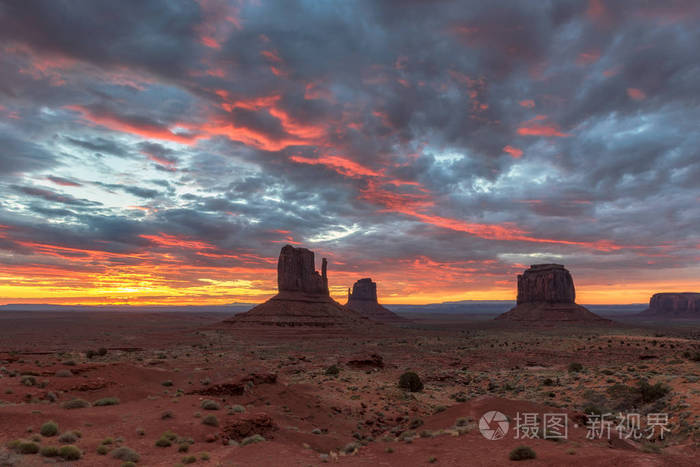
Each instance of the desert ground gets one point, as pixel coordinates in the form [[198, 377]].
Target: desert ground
[[167, 389]]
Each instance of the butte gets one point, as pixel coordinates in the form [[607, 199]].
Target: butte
[[363, 300], [303, 298], [546, 295], [667, 305]]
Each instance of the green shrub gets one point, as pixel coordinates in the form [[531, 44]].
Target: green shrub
[[332, 370], [184, 447], [49, 429], [69, 437], [69, 453], [251, 440], [210, 405], [410, 381], [210, 420], [575, 367], [128, 464], [27, 447], [163, 442], [106, 401], [189, 460], [238, 409], [125, 454], [652, 392], [102, 450], [522, 453], [75, 404], [205, 455], [28, 380], [49, 451]]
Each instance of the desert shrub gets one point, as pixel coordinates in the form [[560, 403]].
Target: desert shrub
[[128, 464], [332, 370], [184, 447], [49, 451], [238, 409], [350, 448], [166, 415], [189, 460], [101, 351], [69, 453], [522, 453], [205, 456], [410, 381], [575, 367], [125, 454], [652, 392], [462, 421], [102, 450], [210, 405], [27, 447], [64, 373], [694, 357], [548, 382], [251, 440], [75, 404], [69, 437], [28, 380], [163, 442], [106, 401], [415, 423], [90, 353], [167, 383], [49, 429], [210, 420]]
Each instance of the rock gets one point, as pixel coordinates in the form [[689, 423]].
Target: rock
[[546, 295], [249, 425], [296, 272], [363, 299], [674, 305], [303, 298], [371, 361]]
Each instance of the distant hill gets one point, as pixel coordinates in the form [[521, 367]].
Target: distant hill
[[465, 306]]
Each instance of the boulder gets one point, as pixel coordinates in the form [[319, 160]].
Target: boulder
[[674, 305], [363, 300], [546, 295]]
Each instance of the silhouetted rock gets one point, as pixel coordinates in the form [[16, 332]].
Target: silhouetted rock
[[674, 305], [370, 361], [296, 272], [363, 299], [550, 283], [546, 294], [303, 298]]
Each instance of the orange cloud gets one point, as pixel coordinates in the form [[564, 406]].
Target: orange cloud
[[341, 165], [163, 239], [636, 94], [515, 152], [529, 103], [145, 130], [531, 128], [210, 42]]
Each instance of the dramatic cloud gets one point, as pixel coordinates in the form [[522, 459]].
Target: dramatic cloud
[[163, 152]]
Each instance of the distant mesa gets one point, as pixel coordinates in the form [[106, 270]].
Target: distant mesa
[[363, 300], [674, 305], [546, 295], [303, 298]]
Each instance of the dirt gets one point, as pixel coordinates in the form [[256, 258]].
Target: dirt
[[162, 367]]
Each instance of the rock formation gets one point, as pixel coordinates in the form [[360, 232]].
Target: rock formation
[[546, 294], [363, 299], [674, 305], [303, 298]]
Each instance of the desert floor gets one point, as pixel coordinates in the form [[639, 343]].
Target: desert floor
[[180, 388]]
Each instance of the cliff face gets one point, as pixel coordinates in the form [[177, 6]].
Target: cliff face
[[675, 305], [550, 283], [546, 295], [363, 299], [296, 272]]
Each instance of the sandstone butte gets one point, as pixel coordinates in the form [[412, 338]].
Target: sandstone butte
[[674, 305], [363, 299], [546, 295], [303, 298]]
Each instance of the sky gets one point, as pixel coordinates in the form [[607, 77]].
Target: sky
[[162, 152]]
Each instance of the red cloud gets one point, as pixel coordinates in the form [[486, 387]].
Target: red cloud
[[341, 165], [529, 103], [636, 94], [515, 152], [530, 128], [146, 130]]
